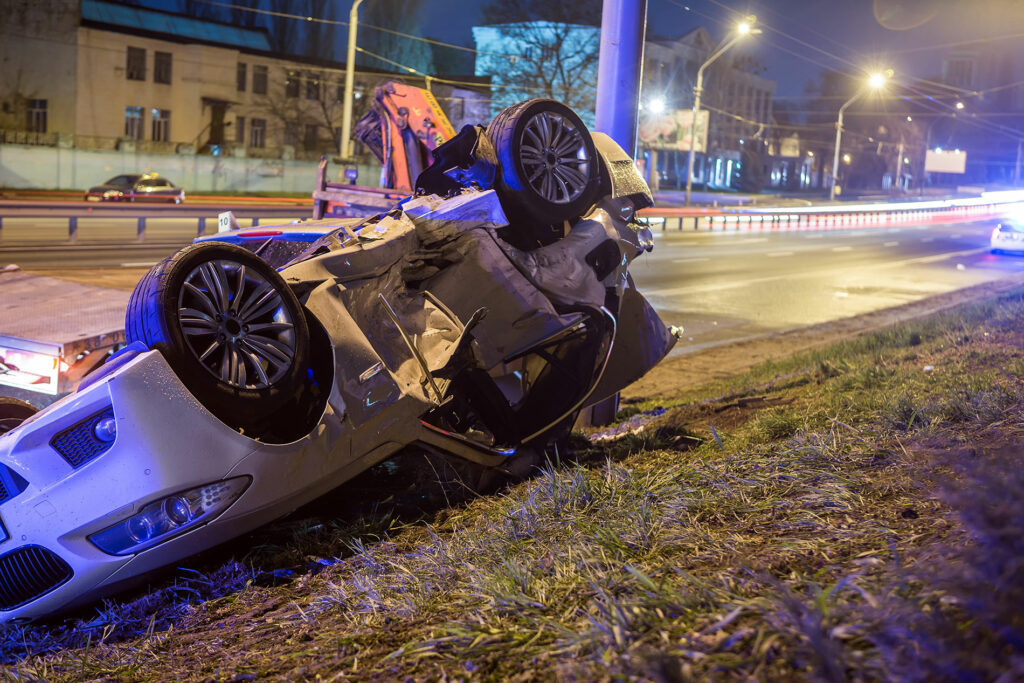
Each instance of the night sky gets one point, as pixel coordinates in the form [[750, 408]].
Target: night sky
[[908, 36]]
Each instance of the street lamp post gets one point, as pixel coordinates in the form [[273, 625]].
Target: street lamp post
[[742, 29], [876, 81], [350, 58]]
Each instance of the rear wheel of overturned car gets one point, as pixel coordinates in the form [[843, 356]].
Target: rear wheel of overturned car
[[13, 412], [229, 327], [548, 162]]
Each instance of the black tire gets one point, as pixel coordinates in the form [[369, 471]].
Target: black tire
[[229, 327], [13, 412], [548, 164]]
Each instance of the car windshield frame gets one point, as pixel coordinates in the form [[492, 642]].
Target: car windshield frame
[[128, 181]]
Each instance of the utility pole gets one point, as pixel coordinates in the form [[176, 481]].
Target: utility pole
[[619, 74], [350, 66], [899, 167], [876, 81], [620, 70], [742, 29]]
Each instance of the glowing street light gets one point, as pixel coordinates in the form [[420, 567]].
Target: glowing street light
[[959, 105], [875, 82], [656, 105], [744, 28]]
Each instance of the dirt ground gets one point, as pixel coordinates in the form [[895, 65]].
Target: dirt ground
[[707, 365]]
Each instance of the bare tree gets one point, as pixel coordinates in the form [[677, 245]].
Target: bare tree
[[552, 49], [397, 15]]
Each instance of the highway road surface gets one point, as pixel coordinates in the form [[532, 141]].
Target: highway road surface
[[720, 286], [725, 286]]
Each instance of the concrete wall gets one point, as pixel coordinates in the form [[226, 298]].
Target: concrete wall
[[48, 168]]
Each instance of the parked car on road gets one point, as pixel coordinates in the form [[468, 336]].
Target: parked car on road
[[471, 324], [147, 187], [1008, 236]]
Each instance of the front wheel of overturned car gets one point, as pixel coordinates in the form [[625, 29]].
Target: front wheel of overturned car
[[13, 412], [548, 161], [229, 327]]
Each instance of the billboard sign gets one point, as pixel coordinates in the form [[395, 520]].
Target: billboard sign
[[789, 146], [671, 130], [945, 161]]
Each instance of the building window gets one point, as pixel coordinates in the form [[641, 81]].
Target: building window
[[291, 134], [161, 125], [240, 77], [312, 88], [161, 67], [259, 79], [240, 129], [258, 133], [135, 66], [291, 85], [36, 116], [133, 122], [312, 133]]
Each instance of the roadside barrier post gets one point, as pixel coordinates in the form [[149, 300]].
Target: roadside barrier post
[[72, 229], [201, 226], [140, 230]]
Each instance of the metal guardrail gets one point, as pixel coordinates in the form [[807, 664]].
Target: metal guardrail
[[833, 216], [201, 215], [818, 217]]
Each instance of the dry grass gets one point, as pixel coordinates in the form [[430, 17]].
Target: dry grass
[[852, 513]]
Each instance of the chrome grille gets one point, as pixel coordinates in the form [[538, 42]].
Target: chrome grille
[[28, 573]]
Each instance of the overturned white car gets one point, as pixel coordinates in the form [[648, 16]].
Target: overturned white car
[[267, 366]]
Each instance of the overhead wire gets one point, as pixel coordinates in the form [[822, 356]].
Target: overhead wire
[[994, 127], [339, 22]]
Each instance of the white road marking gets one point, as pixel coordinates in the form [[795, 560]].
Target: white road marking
[[140, 264], [847, 248], [779, 253], [699, 289], [813, 237], [891, 244]]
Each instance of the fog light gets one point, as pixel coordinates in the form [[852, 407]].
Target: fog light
[[105, 429], [170, 516]]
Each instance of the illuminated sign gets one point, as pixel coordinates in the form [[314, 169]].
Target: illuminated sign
[[945, 161], [671, 130]]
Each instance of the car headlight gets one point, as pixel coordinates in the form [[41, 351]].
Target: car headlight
[[170, 516]]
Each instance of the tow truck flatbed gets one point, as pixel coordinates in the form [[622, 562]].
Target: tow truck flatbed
[[53, 331]]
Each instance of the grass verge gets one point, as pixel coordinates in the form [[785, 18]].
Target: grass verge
[[850, 513]]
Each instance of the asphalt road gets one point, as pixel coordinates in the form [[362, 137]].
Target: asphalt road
[[730, 286], [718, 286]]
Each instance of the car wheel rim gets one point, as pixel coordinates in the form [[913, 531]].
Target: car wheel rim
[[555, 158], [236, 324]]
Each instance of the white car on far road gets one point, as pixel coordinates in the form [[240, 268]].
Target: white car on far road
[[1008, 236]]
